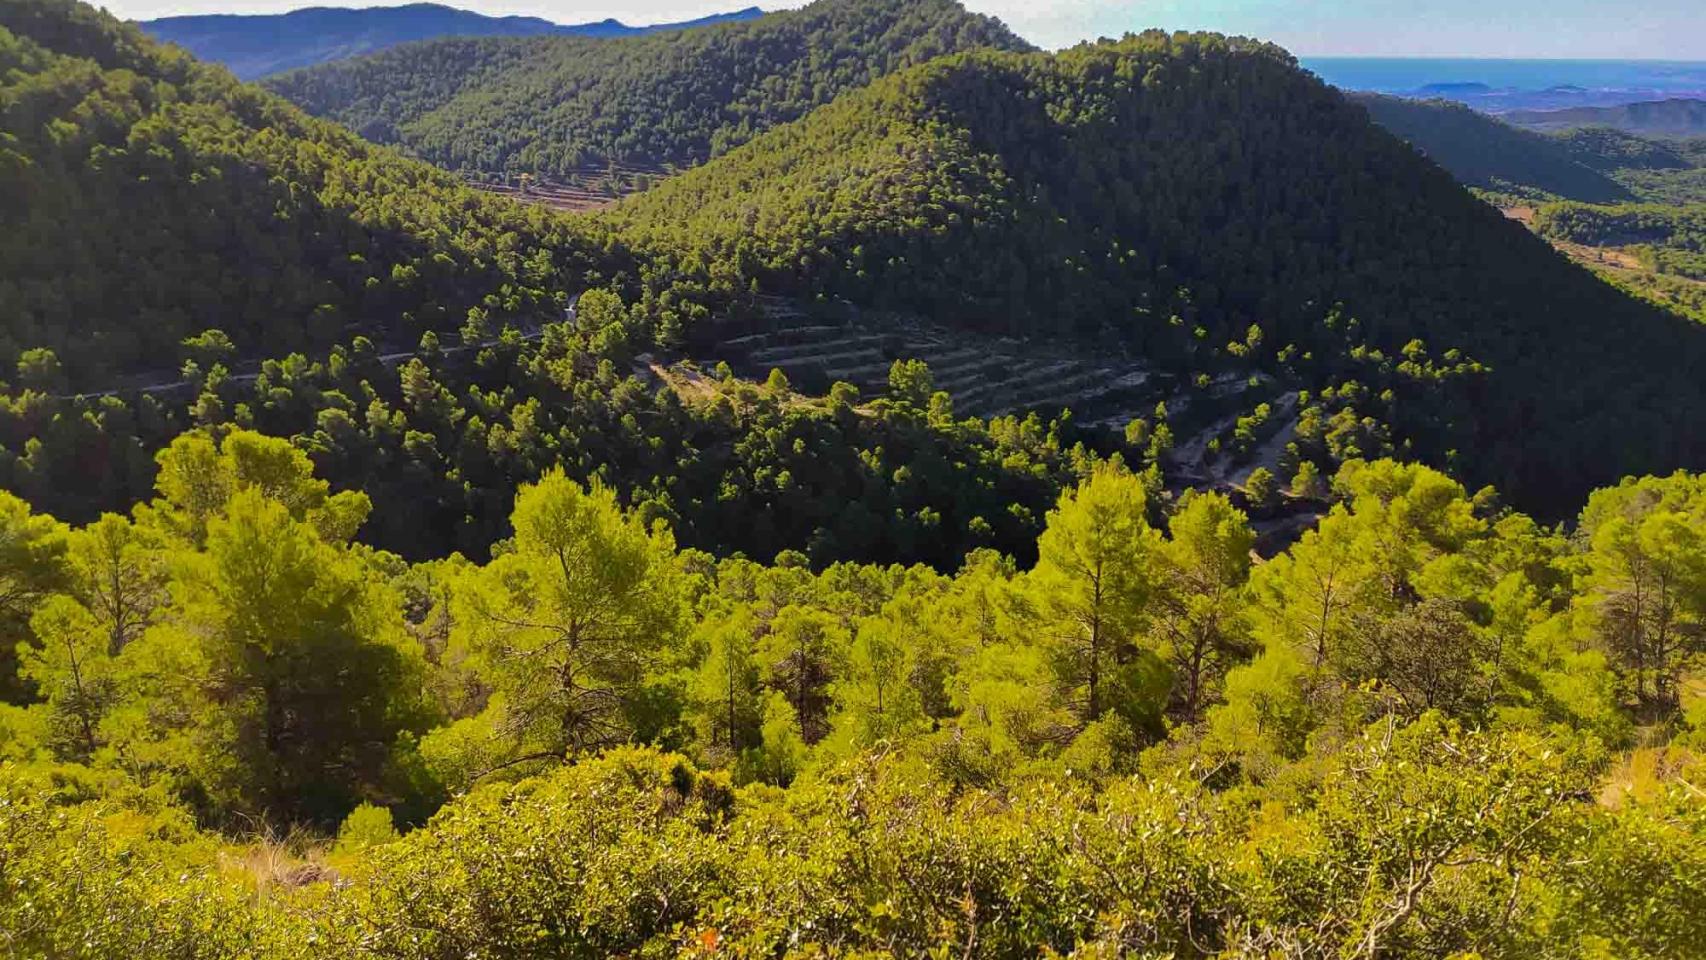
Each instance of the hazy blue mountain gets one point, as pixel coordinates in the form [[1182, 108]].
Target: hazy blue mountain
[[1662, 118], [257, 45]]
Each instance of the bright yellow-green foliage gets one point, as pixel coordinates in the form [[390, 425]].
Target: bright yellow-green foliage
[[1422, 841], [1402, 737], [1193, 199], [564, 629]]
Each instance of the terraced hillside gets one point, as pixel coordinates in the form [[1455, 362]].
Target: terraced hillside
[[990, 376], [588, 187], [987, 376]]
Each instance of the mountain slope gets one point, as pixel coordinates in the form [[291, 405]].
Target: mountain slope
[[1482, 151], [1661, 118], [1170, 192], [255, 45], [148, 198], [555, 105]]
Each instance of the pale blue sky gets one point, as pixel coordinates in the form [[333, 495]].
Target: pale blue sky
[[1631, 29]]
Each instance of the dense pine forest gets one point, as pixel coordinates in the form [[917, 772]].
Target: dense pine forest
[[1483, 152], [557, 105], [391, 570], [258, 45], [1432, 727], [151, 199], [1600, 165], [1204, 201]]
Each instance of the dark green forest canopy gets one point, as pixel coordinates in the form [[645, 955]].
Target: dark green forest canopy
[[554, 105], [1485, 152], [1675, 117], [148, 198], [1587, 164], [1169, 192], [1194, 199], [414, 332]]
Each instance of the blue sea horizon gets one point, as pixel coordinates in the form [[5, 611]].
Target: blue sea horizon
[[1516, 84]]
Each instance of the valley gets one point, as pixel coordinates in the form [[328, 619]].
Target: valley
[[1626, 267]]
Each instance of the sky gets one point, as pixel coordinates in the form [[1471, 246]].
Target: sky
[[1561, 29]]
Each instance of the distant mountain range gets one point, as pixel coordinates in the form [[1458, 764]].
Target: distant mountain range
[[1661, 118], [255, 46]]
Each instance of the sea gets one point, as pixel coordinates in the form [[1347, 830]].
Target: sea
[[1501, 85]]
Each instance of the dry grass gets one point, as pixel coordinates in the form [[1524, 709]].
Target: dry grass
[[272, 863], [1646, 773]]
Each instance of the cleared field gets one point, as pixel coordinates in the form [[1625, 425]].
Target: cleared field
[[1623, 267]]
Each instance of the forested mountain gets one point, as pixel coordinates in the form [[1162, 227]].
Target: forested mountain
[[1196, 201], [1660, 118], [1614, 151], [1657, 250], [1483, 151], [255, 45], [175, 229], [1618, 203], [432, 600], [555, 105], [1177, 193], [149, 198]]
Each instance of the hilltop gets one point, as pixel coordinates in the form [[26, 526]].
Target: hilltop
[[256, 45], [558, 106], [1203, 201]]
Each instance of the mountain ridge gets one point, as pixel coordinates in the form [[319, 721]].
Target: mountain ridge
[[1486, 152], [257, 45], [553, 105], [1673, 117], [200, 203]]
